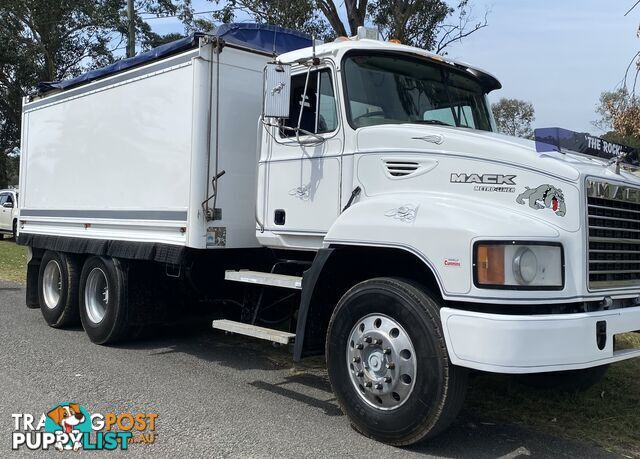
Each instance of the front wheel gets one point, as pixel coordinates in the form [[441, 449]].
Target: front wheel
[[388, 363]]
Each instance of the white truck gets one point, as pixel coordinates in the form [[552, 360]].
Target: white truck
[[349, 198], [8, 213]]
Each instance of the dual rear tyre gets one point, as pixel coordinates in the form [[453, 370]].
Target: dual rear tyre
[[93, 293], [103, 300], [58, 289]]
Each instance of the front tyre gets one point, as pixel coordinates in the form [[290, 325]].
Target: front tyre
[[388, 363], [103, 300]]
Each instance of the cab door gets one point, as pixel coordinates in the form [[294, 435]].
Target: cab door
[[303, 169]]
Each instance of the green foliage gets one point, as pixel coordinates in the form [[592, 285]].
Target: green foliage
[[414, 22], [619, 112], [514, 117], [421, 23], [299, 15]]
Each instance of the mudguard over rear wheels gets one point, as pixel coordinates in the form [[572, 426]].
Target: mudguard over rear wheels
[[388, 363]]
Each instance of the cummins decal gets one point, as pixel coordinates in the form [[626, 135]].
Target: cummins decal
[[487, 182], [545, 196]]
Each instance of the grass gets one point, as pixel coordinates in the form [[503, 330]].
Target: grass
[[13, 261], [608, 414]]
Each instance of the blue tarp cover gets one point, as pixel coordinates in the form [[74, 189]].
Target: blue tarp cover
[[263, 37], [259, 37]]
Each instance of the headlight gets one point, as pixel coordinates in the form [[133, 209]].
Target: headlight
[[518, 265]]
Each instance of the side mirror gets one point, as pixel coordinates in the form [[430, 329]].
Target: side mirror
[[277, 90], [8, 205]]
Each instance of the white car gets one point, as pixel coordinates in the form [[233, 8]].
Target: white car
[[8, 213]]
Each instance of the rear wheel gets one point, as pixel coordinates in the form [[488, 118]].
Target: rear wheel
[[58, 289], [103, 300], [388, 363]]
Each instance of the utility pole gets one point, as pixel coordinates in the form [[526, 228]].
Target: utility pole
[[131, 29]]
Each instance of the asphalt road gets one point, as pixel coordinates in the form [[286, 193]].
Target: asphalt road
[[215, 396]]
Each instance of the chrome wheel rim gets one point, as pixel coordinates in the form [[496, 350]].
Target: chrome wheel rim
[[52, 284], [96, 295], [381, 361]]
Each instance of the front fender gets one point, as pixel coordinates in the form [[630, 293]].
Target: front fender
[[440, 229]]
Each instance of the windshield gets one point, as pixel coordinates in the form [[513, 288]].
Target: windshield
[[393, 89]]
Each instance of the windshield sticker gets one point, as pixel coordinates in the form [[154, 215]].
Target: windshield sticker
[[545, 196]]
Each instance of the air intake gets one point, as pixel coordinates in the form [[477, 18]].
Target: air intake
[[401, 168]]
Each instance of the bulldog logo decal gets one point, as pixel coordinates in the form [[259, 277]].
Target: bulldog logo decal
[[545, 196]]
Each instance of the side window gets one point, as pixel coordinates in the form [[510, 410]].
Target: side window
[[3, 198], [327, 115], [9, 198], [319, 113]]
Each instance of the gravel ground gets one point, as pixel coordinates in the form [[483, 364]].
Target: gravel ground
[[215, 395]]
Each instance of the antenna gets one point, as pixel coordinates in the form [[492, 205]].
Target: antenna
[[275, 33], [314, 59]]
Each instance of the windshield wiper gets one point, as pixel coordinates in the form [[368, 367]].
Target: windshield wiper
[[438, 122]]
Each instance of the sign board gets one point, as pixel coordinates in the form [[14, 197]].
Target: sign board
[[562, 140]]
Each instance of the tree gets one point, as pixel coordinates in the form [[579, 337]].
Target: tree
[[514, 117], [425, 23], [620, 115], [428, 24], [299, 15]]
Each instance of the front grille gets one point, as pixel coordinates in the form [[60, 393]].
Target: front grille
[[614, 235]]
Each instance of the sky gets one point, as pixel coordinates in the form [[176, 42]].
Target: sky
[[560, 55]]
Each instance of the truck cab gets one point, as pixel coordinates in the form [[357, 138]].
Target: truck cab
[[359, 89], [530, 251]]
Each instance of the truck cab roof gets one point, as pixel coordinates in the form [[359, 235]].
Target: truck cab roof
[[337, 49]]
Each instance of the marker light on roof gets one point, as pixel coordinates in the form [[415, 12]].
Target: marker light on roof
[[367, 32], [395, 41]]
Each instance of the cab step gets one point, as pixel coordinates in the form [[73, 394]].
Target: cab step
[[241, 328], [260, 278]]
